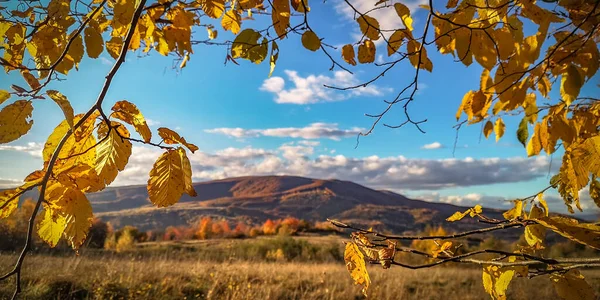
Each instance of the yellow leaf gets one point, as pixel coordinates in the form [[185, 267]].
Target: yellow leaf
[[130, 114], [496, 280], [300, 6], [404, 13], [79, 147], [114, 46], [570, 84], [348, 54], [213, 8], [504, 41], [418, 54], [280, 16], [77, 212], [472, 212], [487, 129], [588, 154], [76, 51], [31, 80], [452, 4], [212, 33], [463, 43], [274, 57], [186, 168], [395, 41], [52, 226], [572, 286], [247, 46], [311, 41], [123, 12], [514, 212], [355, 263], [366, 52], [64, 105], [369, 27], [584, 233], [231, 21], [534, 234], [94, 44], [171, 137], [13, 120], [112, 153], [483, 49], [499, 129], [9, 200], [4, 95], [534, 146], [167, 179]]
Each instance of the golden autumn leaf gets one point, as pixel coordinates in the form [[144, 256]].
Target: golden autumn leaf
[[94, 44], [52, 226], [246, 45], [496, 280], [499, 128], [488, 128], [300, 6], [395, 41], [570, 84], [404, 14], [14, 121], [280, 17], [77, 212], [4, 95], [171, 137], [418, 56], [595, 190], [112, 153], [472, 212], [231, 21], [64, 105], [348, 54], [584, 233], [213, 8], [273, 57], [130, 114], [114, 46], [366, 52], [535, 234], [31, 80], [534, 147], [588, 154], [186, 168], [515, 212], [9, 200], [369, 27], [484, 49], [355, 263], [572, 286], [78, 148], [311, 41], [167, 179], [212, 33]]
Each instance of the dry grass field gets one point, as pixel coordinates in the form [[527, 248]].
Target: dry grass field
[[165, 273]]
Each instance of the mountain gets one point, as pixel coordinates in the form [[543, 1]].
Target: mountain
[[258, 198], [255, 199]]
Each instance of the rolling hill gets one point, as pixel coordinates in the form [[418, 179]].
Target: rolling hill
[[258, 198]]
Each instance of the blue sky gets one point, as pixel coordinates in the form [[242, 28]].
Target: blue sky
[[248, 124]]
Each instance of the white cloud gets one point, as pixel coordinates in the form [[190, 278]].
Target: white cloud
[[106, 61], [313, 131], [31, 148], [392, 173], [152, 122], [311, 89], [387, 16], [9, 183], [434, 145]]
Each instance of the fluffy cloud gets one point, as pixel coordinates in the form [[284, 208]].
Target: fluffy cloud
[[311, 89], [434, 145], [393, 173], [33, 149], [9, 183], [470, 199], [387, 16], [313, 131]]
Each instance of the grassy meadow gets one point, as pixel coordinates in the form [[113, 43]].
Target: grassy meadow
[[218, 269]]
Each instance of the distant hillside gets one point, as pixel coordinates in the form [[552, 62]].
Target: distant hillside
[[258, 198]]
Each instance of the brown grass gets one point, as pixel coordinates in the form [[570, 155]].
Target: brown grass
[[162, 276]]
